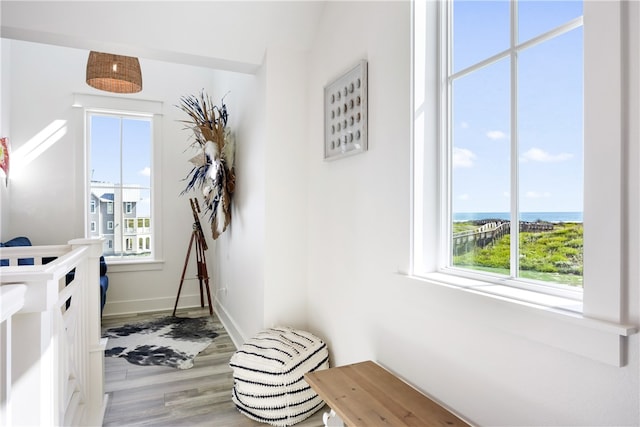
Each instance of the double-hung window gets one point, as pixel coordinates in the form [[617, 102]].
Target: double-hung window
[[513, 140], [120, 169], [519, 165], [122, 160]]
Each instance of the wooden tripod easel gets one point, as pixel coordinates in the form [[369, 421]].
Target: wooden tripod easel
[[201, 262]]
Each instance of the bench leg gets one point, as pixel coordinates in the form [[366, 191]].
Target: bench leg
[[331, 419]]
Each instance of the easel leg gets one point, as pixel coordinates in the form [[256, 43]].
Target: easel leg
[[184, 270], [199, 262], [203, 277]]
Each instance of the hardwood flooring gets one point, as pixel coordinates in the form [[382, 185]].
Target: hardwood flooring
[[162, 396]]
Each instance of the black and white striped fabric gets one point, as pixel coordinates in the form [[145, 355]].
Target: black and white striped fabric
[[268, 375]]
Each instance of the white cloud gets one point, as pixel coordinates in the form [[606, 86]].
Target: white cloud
[[145, 172], [537, 194], [538, 155], [464, 125], [496, 135], [462, 158], [464, 197]]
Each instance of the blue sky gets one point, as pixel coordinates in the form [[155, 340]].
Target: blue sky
[[136, 154], [549, 109]]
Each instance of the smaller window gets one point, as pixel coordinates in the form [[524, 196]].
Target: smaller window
[[121, 137], [92, 207], [93, 226], [109, 225]]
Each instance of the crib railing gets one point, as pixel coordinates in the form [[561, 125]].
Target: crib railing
[[50, 346]]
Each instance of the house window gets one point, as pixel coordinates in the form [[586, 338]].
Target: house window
[[129, 226], [92, 207], [508, 96], [93, 226], [120, 160]]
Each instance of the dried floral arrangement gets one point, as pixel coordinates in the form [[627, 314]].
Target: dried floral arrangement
[[213, 167]]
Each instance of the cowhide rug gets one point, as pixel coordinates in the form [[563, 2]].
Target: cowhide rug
[[169, 341]]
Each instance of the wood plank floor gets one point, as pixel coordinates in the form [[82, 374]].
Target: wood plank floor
[[162, 396]]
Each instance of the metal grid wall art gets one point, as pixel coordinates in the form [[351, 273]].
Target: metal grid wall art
[[345, 114]]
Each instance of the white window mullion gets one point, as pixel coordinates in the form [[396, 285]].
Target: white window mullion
[[514, 182], [449, 137], [121, 192]]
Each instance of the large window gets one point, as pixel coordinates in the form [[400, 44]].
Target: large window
[[521, 164], [514, 139], [120, 147]]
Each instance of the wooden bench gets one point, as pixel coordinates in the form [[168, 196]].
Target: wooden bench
[[366, 395]]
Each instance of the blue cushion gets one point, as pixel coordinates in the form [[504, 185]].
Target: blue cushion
[[104, 285], [17, 241]]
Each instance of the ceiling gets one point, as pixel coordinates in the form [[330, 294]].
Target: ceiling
[[227, 35]]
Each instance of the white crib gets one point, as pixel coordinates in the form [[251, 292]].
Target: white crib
[[51, 353]]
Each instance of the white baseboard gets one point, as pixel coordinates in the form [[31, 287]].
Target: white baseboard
[[236, 335], [118, 308]]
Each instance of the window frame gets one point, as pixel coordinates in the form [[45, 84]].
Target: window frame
[[448, 77], [601, 319], [127, 208], [83, 103]]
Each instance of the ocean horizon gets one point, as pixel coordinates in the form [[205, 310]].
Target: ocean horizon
[[524, 216]]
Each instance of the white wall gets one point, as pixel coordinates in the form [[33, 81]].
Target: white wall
[[262, 258], [285, 250], [237, 263], [358, 224], [47, 196], [5, 94]]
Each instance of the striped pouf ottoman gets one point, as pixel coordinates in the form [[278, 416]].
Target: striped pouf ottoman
[[268, 370]]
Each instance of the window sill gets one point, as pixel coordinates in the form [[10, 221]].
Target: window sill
[[137, 265], [550, 320]]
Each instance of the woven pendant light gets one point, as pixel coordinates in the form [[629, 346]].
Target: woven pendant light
[[114, 73]]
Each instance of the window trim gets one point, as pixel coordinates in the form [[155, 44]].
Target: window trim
[[111, 104], [598, 328]]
